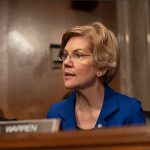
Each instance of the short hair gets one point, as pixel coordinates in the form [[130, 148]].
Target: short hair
[[102, 43]]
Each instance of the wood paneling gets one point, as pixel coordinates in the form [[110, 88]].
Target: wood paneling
[[3, 55], [28, 84]]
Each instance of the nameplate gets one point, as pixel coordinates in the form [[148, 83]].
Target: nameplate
[[38, 125]]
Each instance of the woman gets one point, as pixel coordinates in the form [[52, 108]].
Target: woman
[[90, 59]]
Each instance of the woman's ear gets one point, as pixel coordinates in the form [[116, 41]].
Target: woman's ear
[[101, 72]]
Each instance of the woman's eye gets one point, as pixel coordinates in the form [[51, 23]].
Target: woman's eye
[[76, 55], [64, 54]]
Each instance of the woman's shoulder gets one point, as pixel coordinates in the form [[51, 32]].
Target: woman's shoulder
[[121, 98], [125, 99], [54, 108], [130, 106], [65, 103]]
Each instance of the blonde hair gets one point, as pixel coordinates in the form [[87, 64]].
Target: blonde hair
[[102, 43]]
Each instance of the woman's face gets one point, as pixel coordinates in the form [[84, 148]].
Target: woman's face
[[78, 68]]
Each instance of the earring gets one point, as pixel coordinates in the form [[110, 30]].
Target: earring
[[98, 73]]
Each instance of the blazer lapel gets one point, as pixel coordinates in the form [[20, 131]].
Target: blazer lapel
[[110, 106], [67, 112]]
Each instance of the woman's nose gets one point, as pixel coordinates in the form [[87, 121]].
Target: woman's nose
[[68, 61]]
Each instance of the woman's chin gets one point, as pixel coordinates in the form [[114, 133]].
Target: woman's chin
[[69, 86]]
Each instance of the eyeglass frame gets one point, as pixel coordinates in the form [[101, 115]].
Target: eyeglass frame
[[73, 56]]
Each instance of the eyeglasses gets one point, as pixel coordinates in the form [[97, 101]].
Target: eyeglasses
[[75, 56]]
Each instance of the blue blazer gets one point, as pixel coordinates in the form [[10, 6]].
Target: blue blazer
[[117, 110]]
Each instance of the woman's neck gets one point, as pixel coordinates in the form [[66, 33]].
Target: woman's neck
[[88, 106], [91, 97]]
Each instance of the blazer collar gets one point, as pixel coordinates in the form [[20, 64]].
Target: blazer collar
[[110, 105]]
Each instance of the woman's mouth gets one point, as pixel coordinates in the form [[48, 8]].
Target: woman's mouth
[[68, 75]]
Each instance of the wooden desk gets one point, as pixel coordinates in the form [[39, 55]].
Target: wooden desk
[[122, 138]]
